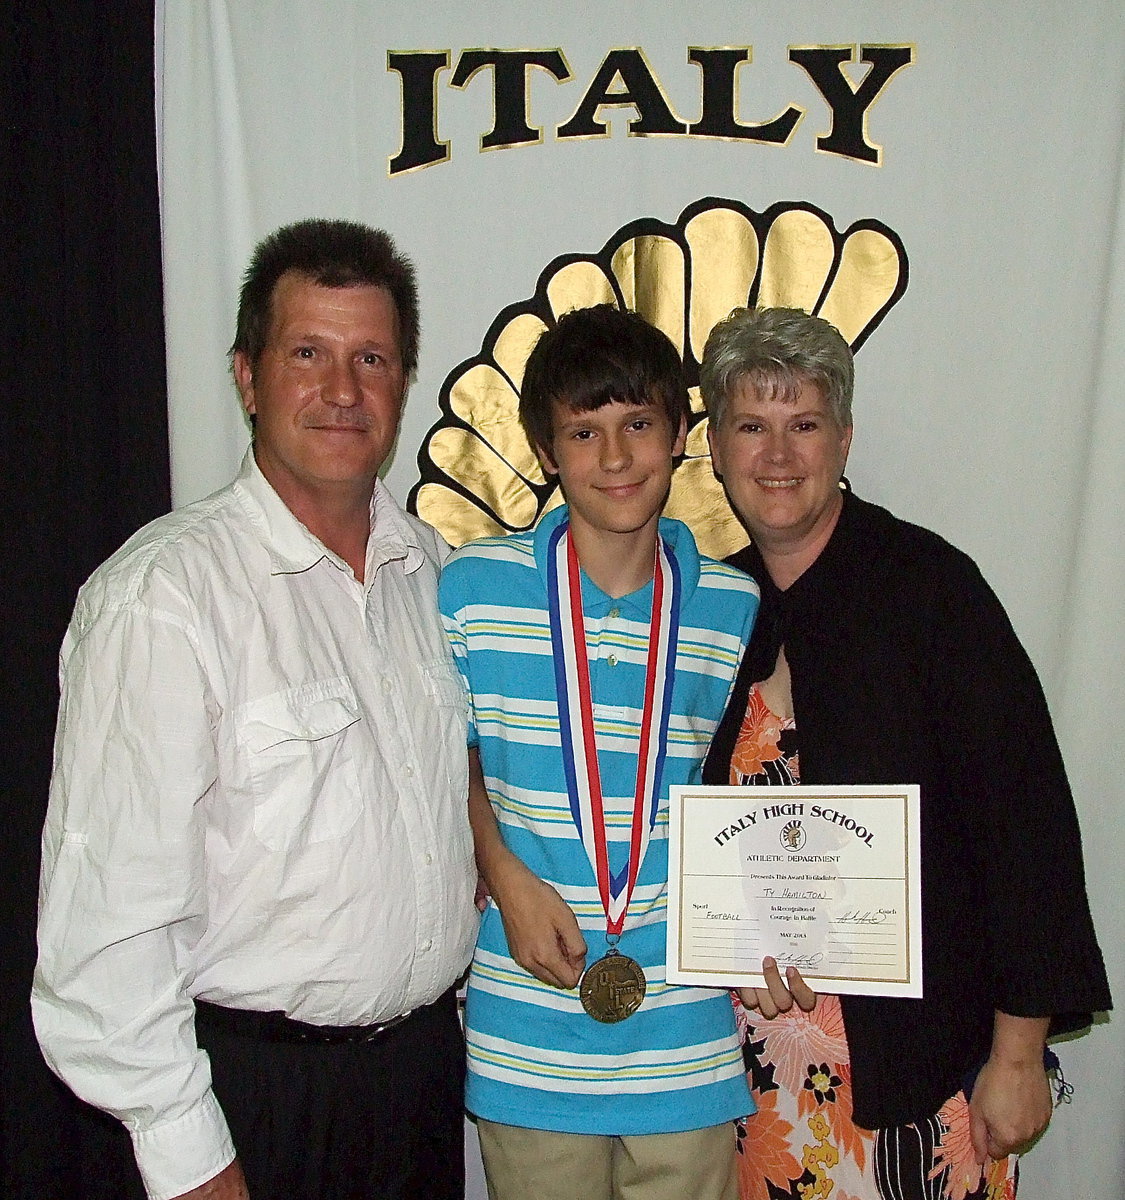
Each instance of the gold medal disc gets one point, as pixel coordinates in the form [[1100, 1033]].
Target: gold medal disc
[[613, 988]]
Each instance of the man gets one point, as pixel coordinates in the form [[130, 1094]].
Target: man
[[257, 888]]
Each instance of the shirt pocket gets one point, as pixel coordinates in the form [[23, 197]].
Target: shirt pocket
[[445, 691], [301, 746], [443, 685]]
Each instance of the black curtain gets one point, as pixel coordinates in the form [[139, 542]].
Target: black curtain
[[83, 426]]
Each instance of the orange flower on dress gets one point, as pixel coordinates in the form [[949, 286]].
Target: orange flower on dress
[[955, 1150], [853, 1140], [757, 741], [765, 1153], [795, 1039]]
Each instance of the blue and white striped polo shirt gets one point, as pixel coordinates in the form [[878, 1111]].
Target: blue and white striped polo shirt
[[536, 1059]]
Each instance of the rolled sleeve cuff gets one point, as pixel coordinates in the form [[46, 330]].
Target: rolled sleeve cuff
[[179, 1155]]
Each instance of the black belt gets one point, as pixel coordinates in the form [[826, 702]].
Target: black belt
[[277, 1027]]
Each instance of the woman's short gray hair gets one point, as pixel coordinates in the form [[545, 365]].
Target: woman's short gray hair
[[776, 349]]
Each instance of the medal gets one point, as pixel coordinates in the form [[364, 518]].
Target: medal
[[613, 987]]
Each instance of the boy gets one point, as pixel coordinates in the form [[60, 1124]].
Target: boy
[[598, 650]]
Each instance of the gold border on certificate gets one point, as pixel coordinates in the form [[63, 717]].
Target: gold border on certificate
[[824, 878]]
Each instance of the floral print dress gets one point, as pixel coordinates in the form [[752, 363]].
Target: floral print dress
[[802, 1143]]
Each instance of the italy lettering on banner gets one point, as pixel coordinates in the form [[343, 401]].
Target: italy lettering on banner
[[625, 78]]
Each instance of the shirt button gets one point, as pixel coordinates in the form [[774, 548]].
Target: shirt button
[[615, 612], [612, 660], [408, 771], [429, 860], [427, 944], [387, 685]]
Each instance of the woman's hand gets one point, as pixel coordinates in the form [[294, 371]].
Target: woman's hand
[[1011, 1104], [778, 996]]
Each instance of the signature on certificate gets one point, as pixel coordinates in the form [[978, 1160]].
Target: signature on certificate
[[801, 961], [865, 917]]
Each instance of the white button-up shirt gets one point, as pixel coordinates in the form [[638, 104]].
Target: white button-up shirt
[[258, 799]]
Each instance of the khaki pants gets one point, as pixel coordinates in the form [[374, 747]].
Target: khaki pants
[[536, 1164]]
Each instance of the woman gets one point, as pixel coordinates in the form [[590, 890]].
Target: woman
[[880, 655]]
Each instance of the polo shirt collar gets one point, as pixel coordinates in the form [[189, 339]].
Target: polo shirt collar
[[676, 535]]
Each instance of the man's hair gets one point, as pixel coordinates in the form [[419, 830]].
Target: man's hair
[[331, 254], [776, 350], [593, 357]]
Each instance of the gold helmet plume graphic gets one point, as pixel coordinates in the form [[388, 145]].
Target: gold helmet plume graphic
[[793, 836], [478, 476]]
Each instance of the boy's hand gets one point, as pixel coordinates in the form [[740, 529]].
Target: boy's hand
[[543, 935]]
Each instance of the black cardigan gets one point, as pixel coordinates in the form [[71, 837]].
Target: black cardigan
[[905, 669]]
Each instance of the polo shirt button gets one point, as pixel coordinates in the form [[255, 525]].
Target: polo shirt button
[[612, 660], [615, 612]]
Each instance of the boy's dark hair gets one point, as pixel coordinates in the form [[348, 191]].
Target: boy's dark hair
[[593, 357], [331, 254]]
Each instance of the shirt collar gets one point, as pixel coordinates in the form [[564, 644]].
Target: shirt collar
[[293, 548], [677, 536]]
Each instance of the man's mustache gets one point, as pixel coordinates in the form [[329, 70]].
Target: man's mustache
[[341, 418]]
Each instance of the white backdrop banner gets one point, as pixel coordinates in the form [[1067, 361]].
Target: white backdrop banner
[[945, 182]]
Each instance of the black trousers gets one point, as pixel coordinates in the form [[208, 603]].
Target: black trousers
[[380, 1120]]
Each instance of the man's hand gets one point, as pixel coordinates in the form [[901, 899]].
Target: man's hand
[[543, 935], [1011, 1104], [229, 1184], [776, 997]]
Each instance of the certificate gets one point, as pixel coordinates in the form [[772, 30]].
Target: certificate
[[823, 878]]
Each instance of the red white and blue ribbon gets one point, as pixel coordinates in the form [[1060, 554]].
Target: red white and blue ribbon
[[576, 716]]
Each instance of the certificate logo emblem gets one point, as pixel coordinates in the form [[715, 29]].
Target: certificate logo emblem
[[792, 836]]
